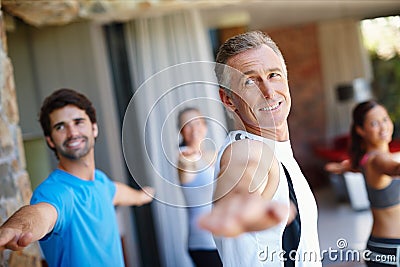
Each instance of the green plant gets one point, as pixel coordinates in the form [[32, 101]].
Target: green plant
[[386, 86]]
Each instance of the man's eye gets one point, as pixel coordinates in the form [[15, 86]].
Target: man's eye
[[79, 122], [249, 82], [59, 127], [273, 75]]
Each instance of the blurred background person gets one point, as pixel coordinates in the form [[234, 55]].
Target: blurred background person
[[196, 171], [371, 133]]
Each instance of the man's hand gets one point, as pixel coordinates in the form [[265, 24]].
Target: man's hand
[[28, 224], [243, 213], [246, 182], [14, 239], [128, 196], [145, 195]]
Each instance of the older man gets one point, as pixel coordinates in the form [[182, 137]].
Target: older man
[[264, 212]]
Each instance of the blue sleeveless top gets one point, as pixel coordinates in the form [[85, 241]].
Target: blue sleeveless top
[[198, 195]]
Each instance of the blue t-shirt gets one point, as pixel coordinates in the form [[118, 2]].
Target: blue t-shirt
[[86, 231]]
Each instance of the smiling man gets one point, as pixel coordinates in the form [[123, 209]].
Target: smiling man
[[264, 212], [72, 212]]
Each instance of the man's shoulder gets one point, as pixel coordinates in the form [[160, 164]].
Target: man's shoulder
[[247, 151], [102, 179], [51, 179], [100, 175], [240, 136], [52, 190], [237, 135]]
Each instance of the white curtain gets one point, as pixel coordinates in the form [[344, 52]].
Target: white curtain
[[344, 59], [171, 67]]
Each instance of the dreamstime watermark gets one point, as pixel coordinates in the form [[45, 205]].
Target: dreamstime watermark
[[341, 253]]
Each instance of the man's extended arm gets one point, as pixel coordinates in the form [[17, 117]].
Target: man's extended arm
[[30, 223], [127, 196], [247, 180]]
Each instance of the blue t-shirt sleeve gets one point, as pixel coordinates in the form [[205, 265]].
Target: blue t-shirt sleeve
[[109, 185], [57, 196]]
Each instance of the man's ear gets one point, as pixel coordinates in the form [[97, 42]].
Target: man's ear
[[95, 130], [226, 100], [50, 142]]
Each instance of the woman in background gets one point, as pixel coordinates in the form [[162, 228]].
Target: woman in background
[[371, 133], [196, 171]]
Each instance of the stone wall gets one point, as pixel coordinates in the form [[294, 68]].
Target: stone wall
[[15, 188]]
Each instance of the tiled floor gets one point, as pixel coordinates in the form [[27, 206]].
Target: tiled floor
[[340, 226]]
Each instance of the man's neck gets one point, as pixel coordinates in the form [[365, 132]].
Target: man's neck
[[280, 133], [82, 168]]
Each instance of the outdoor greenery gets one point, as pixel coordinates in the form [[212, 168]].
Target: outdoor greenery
[[386, 86], [382, 40]]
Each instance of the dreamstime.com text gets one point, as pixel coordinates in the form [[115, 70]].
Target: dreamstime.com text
[[341, 253]]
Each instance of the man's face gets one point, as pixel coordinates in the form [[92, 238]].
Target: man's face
[[260, 91], [72, 133]]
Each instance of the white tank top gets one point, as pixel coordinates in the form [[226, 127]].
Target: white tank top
[[264, 248]]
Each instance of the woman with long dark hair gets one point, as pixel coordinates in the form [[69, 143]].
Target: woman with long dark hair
[[371, 133]]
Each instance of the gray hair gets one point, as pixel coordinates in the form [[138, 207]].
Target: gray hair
[[238, 44]]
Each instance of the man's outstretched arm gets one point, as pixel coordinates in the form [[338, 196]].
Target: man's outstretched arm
[[128, 196], [29, 224], [247, 181]]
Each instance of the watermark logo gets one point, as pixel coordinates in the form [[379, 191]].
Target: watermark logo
[[339, 254], [341, 243]]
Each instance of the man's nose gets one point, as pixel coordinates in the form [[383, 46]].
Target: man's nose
[[72, 131], [267, 90]]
